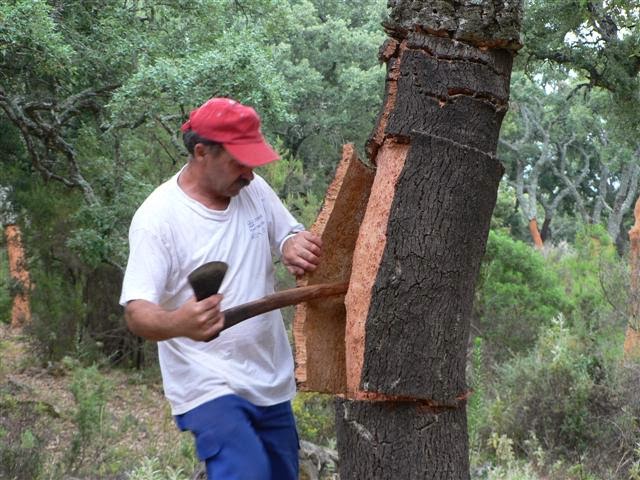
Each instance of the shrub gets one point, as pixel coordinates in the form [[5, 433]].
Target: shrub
[[595, 280], [57, 312], [517, 293], [91, 391], [5, 283], [314, 414], [566, 399]]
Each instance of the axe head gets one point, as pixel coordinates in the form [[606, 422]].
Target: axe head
[[207, 278]]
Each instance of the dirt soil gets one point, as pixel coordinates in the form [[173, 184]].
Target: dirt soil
[[136, 422]]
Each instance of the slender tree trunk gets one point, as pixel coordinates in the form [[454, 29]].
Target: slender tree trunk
[[411, 290], [535, 234], [21, 284], [632, 337]]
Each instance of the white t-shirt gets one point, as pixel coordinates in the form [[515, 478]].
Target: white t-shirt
[[170, 235]]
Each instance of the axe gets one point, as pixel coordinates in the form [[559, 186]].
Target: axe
[[206, 280]]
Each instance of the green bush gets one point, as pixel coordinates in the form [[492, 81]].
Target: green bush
[[57, 311], [5, 283], [566, 400], [21, 450], [593, 278], [91, 392], [517, 293], [315, 420]]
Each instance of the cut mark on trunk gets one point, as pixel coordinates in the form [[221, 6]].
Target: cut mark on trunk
[[368, 252], [377, 138]]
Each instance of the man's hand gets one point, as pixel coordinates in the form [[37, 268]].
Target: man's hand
[[201, 320], [196, 320], [301, 253]]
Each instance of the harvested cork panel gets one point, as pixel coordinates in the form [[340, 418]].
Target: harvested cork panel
[[319, 325]]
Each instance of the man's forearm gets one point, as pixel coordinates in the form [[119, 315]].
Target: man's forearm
[[150, 321]]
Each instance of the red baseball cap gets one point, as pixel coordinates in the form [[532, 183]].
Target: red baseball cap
[[235, 126]]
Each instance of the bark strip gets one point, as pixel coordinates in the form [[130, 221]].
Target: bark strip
[[319, 325], [421, 300]]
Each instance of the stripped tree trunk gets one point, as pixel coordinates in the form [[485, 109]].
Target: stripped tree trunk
[[20, 282], [535, 234], [400, 366], [632, 337]]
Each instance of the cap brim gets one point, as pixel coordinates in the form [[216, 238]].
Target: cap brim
[[252, 154]]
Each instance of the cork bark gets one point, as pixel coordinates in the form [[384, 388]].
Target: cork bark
[[319, 326], [424, 233], [410, 241]]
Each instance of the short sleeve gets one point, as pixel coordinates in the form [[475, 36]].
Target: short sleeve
[[148, 268]]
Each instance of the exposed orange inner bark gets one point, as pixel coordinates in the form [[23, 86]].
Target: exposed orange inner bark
[[535, 234], [632, 337], [20, 311], [367, 256]]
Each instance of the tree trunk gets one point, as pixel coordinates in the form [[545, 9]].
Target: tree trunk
[[535, 234], [632, 337], [409, 239], [447, 89], [20, 282]]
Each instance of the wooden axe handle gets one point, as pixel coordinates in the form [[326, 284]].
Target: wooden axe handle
[[284, 298]]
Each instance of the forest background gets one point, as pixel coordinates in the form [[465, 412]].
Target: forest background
[[92, 95]]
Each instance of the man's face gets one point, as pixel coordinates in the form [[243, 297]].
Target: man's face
[[224, 175]]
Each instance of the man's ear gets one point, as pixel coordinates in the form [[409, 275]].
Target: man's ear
[[199, 151]]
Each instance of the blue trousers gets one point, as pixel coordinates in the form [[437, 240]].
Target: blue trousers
[[242, 441]]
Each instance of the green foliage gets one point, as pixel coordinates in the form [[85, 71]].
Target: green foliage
[[506, 216], [21, 446], [565, 400], [314, 414], [596, 283], [91, 390], [57, 312], [478, 380], [151, 470], [30, 37], [5, 287], [517, 293]]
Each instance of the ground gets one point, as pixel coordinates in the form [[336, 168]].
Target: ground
[[115, 425], [131, 425]]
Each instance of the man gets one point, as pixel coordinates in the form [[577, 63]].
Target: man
[[233, 393]]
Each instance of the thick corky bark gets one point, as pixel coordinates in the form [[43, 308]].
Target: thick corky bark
[[403, 441], [408, 308], [319, 326], [367, 257], [418, 324]]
